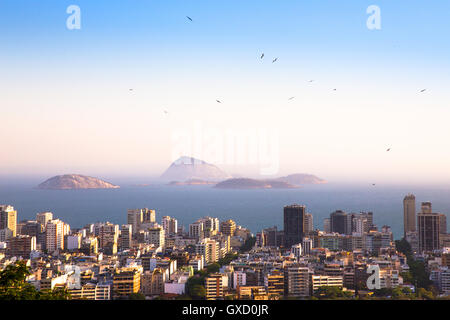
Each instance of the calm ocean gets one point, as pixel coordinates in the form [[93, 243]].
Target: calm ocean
[[254, 209]]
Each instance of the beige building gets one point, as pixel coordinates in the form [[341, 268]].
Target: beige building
[[43, 218], [54, 235], [152, 282], [156, 237], [296, 279], [214, 287], [125, 282], [8, 218], [409, 214], [228, 227], [318, 281], [91, 291], [209, 249]]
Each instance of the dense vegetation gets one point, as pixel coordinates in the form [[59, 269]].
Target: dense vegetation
[[417, 275], [13, 285]]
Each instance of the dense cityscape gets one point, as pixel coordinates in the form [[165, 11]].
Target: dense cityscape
[[220, 260]]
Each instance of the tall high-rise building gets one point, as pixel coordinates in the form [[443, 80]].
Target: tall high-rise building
[[8, 218], [126, 233], [170, 225], [135, 218], [428, 224], [327, 225], [308, 226], [156, 237], [148, 215], [294, 216], [43, 218], [409, 214], [269, 237], [196, 230], [340, 222], [54, 232], [228, 227], [209, 249], [359, 223], [109, 237]]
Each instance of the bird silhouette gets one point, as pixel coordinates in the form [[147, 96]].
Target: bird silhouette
[[423, 90], [389, 149], [189, 18], [291, 98], [274, 60], [218, 101], [262, 56]]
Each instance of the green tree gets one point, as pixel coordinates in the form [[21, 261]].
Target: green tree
[[331, 292], [213, 268], [198, 292], [13, 285]]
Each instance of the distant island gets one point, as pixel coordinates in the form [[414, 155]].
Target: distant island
[[188, 171], [75, 181], [245, 183], [188, 168], [301, 179], [289, 182]]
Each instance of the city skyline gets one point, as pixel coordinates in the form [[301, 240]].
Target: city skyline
[[223, 258]]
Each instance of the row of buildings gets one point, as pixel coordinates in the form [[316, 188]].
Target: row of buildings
[[105, 261]]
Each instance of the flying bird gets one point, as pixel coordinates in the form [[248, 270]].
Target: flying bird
[[291, 98], [373, 184], [189, 18], [311, 81], [334, 89], [389, 149], [274, 60], [423, 90], [218, 101], [262, 56], [131, 89]]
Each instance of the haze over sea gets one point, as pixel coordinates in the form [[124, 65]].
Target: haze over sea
[[254, 209]]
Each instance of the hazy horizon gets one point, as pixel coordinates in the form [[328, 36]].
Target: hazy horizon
[[67, 106]]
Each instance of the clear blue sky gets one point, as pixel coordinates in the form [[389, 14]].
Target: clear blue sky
[[65, 93]]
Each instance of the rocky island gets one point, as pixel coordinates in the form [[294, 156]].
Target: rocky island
[[75, 181]]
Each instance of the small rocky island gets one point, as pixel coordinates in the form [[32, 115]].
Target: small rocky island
[[75, 181]]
